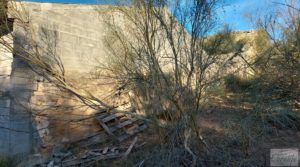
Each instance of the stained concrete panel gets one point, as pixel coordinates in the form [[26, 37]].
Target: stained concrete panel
[[4, 124], [80, 33], [20, 123], [17, 84], [6, 59], [73, 32]]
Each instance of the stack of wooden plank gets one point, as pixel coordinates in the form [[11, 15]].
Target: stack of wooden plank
[[119, 125], [89, 157], [114, 127]]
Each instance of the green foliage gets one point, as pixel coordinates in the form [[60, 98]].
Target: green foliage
[[3, 7], [278, 58], [282, 118], [221, 43], [261, 41], [6, 162], [5, 23], [265, 92], [269, 98], [234, 83]]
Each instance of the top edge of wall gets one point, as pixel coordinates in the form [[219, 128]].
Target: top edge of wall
[[68, 3]]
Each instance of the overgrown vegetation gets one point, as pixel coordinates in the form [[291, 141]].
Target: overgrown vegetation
[[7, 162], [5, 22], [168, 68], [185, 87], [178, 77]]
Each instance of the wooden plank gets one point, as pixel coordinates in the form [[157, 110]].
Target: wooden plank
[[135, 130], [96, 139], [111, 117], [102, 115], [81, 161], [105, 150], [106, 128], [123, 124], [125, 136]]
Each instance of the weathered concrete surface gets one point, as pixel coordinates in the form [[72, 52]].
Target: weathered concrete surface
[[4, 124], [5, 72], [15, 120], [21, 130], [6, 59], [75, 34], [72, 32], [62, 30], [77, 29], [16, 86]]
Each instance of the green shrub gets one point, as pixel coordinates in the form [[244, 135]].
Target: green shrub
[[6, 162], [236, 84]]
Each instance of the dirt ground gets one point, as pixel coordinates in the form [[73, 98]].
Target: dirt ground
[[220, 125]]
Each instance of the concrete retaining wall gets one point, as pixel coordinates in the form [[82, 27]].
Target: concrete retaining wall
[[74, 33], [76, 29]]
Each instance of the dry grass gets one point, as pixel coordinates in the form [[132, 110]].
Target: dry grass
[[238, 132]]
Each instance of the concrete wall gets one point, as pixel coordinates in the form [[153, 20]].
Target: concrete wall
[[74, 33], [77, 29], [16, 87], [6, 59], [5, 72], [4, 124], [22, 85]]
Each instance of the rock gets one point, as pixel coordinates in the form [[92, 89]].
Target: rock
[[65, 140], [50, 164], [298, 134]]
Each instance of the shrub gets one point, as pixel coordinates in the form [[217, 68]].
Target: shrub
[[236, 84], [6, 162]]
